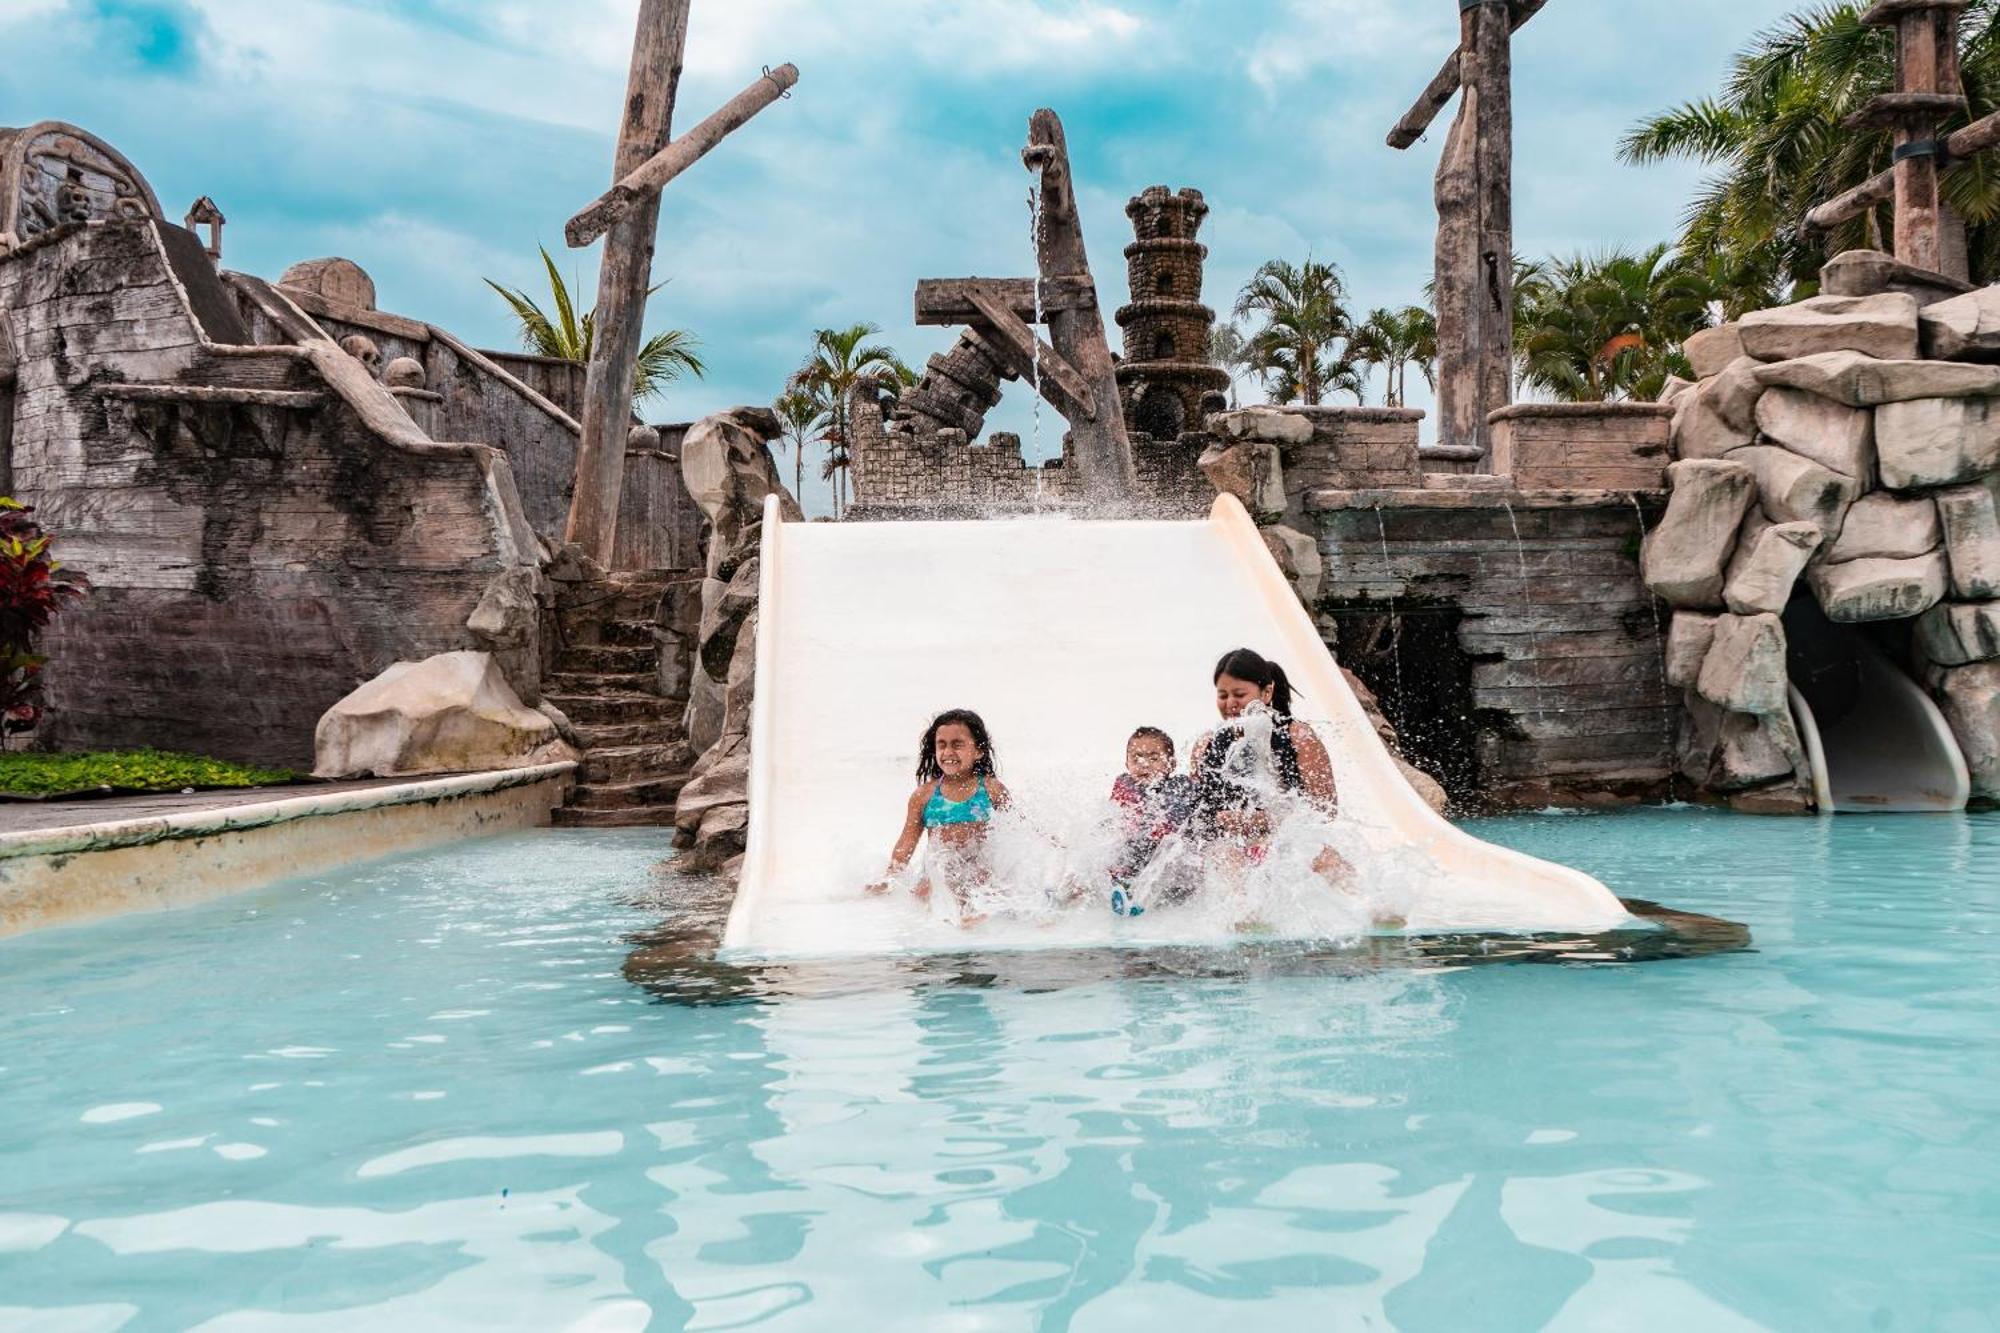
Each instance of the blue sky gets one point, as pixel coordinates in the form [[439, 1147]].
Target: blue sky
[[437, 142]]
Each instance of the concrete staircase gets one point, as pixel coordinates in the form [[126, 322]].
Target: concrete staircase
[[607, 681]]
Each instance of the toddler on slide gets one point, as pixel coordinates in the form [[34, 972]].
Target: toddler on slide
[[957, 793], [1154, 803]]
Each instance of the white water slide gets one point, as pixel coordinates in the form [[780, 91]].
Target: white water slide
[[1064, 635]]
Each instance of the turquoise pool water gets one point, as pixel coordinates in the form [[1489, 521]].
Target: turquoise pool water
[[426, 1095]]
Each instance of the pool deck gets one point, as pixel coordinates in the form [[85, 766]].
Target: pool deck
[[72, 861]]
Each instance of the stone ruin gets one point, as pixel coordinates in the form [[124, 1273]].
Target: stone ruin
[[1839, 461]]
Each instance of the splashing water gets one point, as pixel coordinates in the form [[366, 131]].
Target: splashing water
[[1534, 639]]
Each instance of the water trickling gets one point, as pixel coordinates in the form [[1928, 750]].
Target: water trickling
[[1527, 605], [1395, 620], [1659, 652], [1035, 242]]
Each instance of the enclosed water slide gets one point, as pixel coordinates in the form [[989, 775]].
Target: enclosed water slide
[[1875, 741], [1064, 635]]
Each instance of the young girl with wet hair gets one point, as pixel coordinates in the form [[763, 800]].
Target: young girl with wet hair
[[957, 792]]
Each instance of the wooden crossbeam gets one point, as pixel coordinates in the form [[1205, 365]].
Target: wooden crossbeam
[[1975, 138], [1445, 86], [946, 301], [1012, 336]]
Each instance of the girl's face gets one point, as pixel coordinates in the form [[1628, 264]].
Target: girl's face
[[955, 750], [1232, 696]]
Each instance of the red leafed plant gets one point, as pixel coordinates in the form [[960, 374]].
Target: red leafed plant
[[30, 594]]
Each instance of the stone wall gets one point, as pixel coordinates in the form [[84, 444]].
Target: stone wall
[[262, 529], [1582, 446]]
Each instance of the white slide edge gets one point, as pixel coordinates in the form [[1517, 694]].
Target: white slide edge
[[757, 845]]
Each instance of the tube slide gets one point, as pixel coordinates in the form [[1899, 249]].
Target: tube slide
[[1876, 742], [1065, 635]]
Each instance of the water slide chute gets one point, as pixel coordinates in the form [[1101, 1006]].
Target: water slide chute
[[1064, 634]]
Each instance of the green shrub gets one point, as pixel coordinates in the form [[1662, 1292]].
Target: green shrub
[[29, 773]]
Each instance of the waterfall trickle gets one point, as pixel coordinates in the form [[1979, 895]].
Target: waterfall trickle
[[1659, 651], [1534, 639], [1395, 621], [1035, 241]]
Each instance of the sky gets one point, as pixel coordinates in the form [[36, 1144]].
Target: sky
[[439, 142]]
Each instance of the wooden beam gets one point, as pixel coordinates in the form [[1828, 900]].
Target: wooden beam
[[1446, 84], [652, 176], [623, 279], [944, 301], [1011, 334], [297, 400]]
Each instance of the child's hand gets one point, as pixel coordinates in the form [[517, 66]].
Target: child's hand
[[878, 887]]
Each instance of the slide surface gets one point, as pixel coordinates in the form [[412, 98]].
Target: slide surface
[[1064, 635]]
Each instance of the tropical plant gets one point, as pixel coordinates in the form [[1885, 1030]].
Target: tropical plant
[[1776, 136], [840, 359], [1301, 349], [803, 414], [33, 588], [567, 335], [1395, 340], [1597, 328], [1229, 349]]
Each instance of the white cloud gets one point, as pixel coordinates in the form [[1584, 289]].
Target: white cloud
[[1315, 35]]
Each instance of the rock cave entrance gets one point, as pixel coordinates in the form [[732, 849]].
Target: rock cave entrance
[[1411, 660]]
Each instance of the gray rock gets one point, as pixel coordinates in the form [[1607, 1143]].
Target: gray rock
[[1958, 633], [1298, 559], [1970, 517], [1673, 388], [1883, 326], [1969, 697], [1765, 570], [1744, 671], [1699, 430], [1864, 381], [1869, 272], [1688, 640], [1834, 435], [1964, 328], [1877, 589], [1710, 350], [1884, 526], [1684, 559], [1756, 750], [1249, 470], [1272, 425], [1936, 441], [452, 713], [1792, 489]]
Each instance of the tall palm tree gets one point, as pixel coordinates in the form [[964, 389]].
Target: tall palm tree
[[1597, 328], [1229, 349], [803, 414], [839, 360], [1775, 136], [1300, 351], [568, 336], [1396, 340]]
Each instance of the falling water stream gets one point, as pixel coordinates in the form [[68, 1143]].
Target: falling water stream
[[1395, 621], [1527, 607], [1035, 242], [1659, 650]]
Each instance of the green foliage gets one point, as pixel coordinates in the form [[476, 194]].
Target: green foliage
[[28, 773], [32, 589], [569, 336], [1776, 139], [1302, 350], [804, 414], [838, 363], [1396, 340], [1605, 327]]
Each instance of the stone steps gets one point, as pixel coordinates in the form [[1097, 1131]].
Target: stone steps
[[641, 794], [585, 659], [611, 708], [611, 764], [583, 683], [643, 816]]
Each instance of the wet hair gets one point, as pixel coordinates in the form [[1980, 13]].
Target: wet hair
[[927, 764], [1259, 671], [1155, 734]]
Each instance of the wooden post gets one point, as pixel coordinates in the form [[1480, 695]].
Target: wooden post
[[1103, 451], [623, 279]]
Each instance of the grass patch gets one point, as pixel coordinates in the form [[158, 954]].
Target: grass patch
[[31, 773]]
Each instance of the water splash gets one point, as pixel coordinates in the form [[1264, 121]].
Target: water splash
[[1527, 606], [1395, 620]]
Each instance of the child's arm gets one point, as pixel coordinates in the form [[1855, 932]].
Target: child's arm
[[997, 792], [906, 845]]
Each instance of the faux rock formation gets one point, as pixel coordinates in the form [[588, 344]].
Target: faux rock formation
[[1862, 381], [1876, 589], [1711, 350], [1884, 526], [1958, 633], [1685, 558], [1250, 470], [1298, 559], [1837, 437], [1688, 640], [1766, 569], [1426, 786], [1744, 670], [1970, 519], [453, 713], [1269, 424], [1969, 697], [1936, 441], [1883, 326], [1672, 388], [1757, 750], [1700, 429], [1965, 328], [1792, 489]]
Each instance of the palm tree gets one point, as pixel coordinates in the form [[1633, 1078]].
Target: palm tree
[[839, 360], [1395, 340], [1300, 350], [1597, 328], [1229, 349], [566, 336], [803, 415], [1777, 139]]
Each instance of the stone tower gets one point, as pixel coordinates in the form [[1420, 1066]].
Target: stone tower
[[1167, 372]]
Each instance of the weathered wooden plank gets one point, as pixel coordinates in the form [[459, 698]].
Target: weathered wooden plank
[[946, 301], [1445, 84], [292, 399], [1072, 395]]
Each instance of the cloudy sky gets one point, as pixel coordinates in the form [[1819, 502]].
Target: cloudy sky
[[437, 142]]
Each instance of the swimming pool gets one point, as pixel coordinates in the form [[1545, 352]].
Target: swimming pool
[[425, 1093]]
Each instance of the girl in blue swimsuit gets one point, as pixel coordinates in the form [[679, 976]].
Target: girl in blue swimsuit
[[957, 793]]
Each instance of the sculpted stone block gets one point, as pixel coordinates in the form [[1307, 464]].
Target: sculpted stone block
[[1970, 517], [1881, 525], [1877, 589], [1673, 388], [1688, 640], [1883, 326], [1699, 429], [1756, 750], [1273, 425], [1744, 671], [1969, 697], [1250, 471], [1684, 559], [1837, 437], [1797, 490], [1765, 570], [1864, 381], [1936, 441], [1298, 559], [1965, 328], [453, 713], [1958, 633], [1711, 350]]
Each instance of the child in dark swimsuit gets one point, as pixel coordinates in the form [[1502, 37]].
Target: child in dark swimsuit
[[957, 793], [1154, 802]]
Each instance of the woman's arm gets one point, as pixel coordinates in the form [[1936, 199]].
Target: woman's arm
[[906, 844], [1315, 769]]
